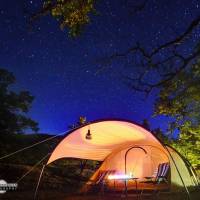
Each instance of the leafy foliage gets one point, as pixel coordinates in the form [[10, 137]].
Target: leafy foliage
[[161, 136], [71, 14], [13, 106], [180, 99]]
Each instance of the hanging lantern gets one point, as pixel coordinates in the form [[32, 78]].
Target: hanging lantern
[[88, 135]]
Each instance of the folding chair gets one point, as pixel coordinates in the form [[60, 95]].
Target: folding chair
[[163, 171], [161, 176], [100, 182]]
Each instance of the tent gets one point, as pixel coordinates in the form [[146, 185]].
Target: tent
[[129, 153]]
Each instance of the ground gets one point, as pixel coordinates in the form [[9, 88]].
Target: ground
[[60, 181], [52, 195]]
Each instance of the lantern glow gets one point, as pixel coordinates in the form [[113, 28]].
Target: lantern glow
[[120, 176]]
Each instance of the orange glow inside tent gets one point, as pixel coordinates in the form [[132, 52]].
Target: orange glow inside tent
[[107, 136], [127, 150]]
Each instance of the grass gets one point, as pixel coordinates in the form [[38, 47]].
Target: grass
[[54, 194]]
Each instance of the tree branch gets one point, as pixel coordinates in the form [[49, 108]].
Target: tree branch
[[146, 87], [180, 38]]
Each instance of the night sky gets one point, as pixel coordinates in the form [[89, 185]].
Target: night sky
[[63, 73]]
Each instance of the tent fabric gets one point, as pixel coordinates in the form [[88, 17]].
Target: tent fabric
[[141, 165], [107, 136], [138, 163], [185, 172], [126, 149]]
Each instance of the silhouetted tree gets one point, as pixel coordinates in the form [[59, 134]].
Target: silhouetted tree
[[146, 124], [13, 106]]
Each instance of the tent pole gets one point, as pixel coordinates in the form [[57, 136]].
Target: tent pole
[[125, 170], [38, 183], [187, 191], [188, 165], [30, 146]]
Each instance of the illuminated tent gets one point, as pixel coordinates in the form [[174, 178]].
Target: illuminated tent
[[125, 149]]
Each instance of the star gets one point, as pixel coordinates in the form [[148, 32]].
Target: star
[[31, 56], [62, 69]]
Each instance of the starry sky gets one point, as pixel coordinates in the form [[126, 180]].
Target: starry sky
[[66, 75]]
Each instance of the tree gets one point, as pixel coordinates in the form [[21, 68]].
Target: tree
[[146, 124], [81, 121], [177, 81], [175, 76], [168, 69], [180, 99], [163, 137], [71, 14], [14, 106]]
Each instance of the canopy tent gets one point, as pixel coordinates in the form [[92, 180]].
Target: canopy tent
[[125, 148], [107, 136]]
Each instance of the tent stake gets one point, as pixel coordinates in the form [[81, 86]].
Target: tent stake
[[38, 183]]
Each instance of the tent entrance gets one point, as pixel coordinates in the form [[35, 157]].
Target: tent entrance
[[134, 168]]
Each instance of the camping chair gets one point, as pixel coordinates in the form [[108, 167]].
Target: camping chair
[[161, 176], [100, 182], [163, 171]]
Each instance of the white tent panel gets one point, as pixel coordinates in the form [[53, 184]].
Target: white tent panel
[[187, 177]]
